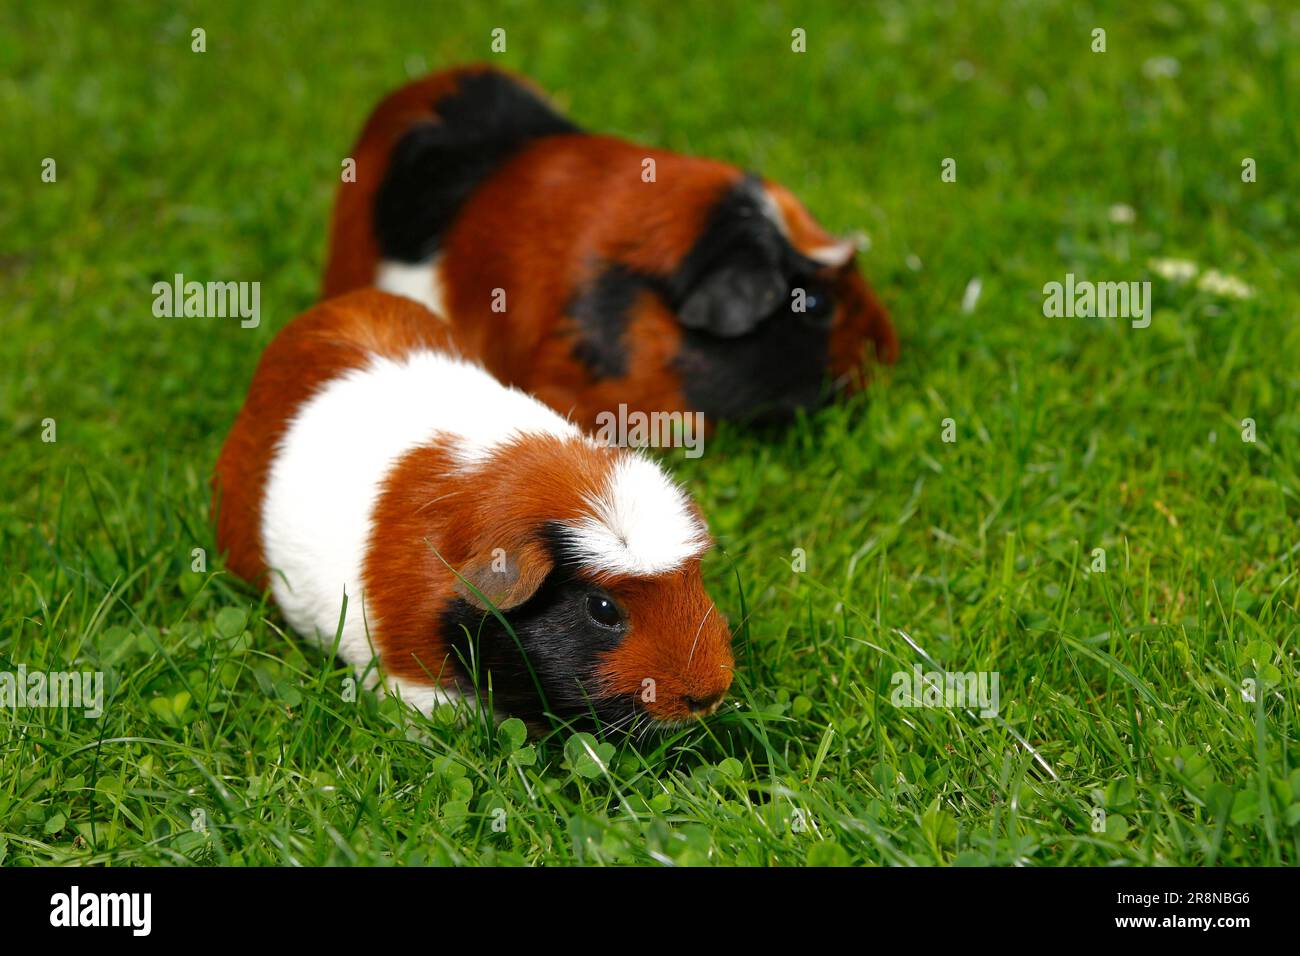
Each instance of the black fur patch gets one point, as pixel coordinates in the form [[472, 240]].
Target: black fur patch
[[763, 377], [736, 272], [746, 354], [436, 165], [601, 312], [548, 667]]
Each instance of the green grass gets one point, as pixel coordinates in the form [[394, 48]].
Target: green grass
[[1120, 690]]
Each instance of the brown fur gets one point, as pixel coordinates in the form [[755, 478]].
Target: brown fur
[[325, 341], [535, 227], [679, 640], [432, 517]]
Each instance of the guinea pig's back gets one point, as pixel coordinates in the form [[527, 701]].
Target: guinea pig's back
[[338, 450]]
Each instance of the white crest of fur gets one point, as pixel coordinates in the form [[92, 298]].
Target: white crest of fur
[[641, 523], [336, 453], [421, 281]]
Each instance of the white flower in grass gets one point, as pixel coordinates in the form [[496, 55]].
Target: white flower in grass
[[1220, 283], [1122, 213], [1161, 66], [1211, 280], [1175, 270]]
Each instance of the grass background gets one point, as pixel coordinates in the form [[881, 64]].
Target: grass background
[[1120, 691]]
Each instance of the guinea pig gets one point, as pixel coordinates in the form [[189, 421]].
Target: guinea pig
[[593, 272], [483, 543]]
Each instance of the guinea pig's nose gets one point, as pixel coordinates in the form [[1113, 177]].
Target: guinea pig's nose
[[698, 704]]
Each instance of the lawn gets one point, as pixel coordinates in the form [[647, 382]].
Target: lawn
[[950, 518]]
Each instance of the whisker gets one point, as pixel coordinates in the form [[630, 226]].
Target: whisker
[[698, 631]]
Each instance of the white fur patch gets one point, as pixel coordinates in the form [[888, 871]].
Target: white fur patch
[[772, 210], [834, 255], [421, 281], [334, 457], [424, 697], [641, 523]]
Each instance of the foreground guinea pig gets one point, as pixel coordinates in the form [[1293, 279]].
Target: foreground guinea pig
[[574, 278], [370, 460]]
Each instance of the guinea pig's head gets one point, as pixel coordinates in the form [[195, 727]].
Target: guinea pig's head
[[594, 565], [772, 307]]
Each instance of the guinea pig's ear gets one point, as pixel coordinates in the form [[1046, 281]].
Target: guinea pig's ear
[[506, 577], [733, 296], [835, 254]]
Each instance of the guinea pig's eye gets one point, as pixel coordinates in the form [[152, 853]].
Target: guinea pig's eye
[[817, 301], [603, 611]]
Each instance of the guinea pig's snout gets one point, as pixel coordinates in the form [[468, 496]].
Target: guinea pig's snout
[[674, 670], [708, 680], [703, 706]]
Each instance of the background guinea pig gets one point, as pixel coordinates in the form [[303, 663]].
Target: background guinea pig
[[575, 279], [370, 460]]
